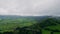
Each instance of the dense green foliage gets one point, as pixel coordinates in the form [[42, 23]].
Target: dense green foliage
[[8, 24], [30, 26]]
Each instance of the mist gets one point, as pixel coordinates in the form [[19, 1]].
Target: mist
[[30, 7]]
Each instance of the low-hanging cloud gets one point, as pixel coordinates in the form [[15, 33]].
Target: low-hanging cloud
[[30, 7]]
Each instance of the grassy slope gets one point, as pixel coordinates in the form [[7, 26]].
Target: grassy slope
[[9, 25]]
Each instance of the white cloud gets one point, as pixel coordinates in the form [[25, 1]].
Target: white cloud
[[29, 7]]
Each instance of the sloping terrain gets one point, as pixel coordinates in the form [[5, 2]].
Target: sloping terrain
[[29, 25]]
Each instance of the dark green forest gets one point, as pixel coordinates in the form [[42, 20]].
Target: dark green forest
[[30, 25]]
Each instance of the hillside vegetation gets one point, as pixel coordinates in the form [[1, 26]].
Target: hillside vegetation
[[29, 25]]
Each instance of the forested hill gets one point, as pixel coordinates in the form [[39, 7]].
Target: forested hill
[[29, 24], [15, 17]]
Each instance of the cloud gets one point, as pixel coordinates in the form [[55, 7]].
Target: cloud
[[29, 7]]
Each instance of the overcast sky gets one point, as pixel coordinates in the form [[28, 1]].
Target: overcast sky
[[30, 7]]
